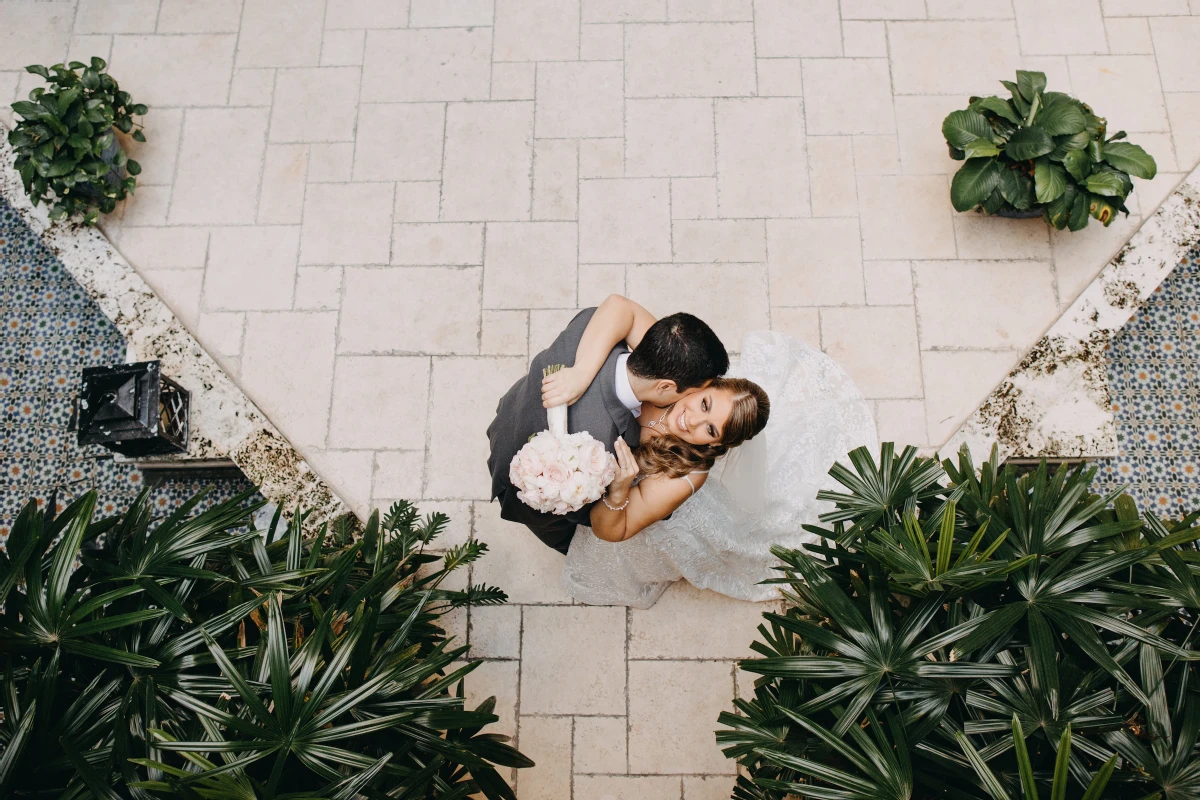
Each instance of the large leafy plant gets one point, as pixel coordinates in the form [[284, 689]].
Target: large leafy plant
[[976, 634], [1041, 150], [189, 657], [68, 154]]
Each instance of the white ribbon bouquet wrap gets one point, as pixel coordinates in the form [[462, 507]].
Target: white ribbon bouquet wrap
[[558, 472]]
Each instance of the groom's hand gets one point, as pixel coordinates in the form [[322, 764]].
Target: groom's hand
[[563, 387]]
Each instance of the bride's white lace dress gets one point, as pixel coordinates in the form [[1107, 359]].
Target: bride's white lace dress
[[817, 417]]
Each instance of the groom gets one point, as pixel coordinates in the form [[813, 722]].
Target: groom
[[677, 353]]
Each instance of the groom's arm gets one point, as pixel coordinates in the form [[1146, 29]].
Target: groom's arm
[[616, 320]]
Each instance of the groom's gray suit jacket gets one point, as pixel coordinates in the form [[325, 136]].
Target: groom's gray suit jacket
[[520, 414]]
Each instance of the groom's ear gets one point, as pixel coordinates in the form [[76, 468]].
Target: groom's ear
[[666, 388]]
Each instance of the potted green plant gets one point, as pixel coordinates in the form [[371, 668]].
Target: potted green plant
[[1041, 154], [68, 154]]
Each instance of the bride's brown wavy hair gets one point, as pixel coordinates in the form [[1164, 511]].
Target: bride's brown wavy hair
[[671, 456]]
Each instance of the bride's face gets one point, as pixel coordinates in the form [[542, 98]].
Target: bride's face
[[699, 416]]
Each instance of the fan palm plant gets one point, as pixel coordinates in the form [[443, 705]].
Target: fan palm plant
[[966, 633], [192, 657]]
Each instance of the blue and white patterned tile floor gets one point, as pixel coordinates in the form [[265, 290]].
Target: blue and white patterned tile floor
[[49, 331], [1153, 365]]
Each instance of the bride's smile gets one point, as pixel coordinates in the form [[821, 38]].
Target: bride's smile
[[699, 417]]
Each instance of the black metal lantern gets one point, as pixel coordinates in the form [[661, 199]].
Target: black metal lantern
[[133, 409]]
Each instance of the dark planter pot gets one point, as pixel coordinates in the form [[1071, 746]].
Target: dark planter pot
[[115, 174], [1019, 213]]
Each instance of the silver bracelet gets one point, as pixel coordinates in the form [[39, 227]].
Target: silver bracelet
[[603, 499]]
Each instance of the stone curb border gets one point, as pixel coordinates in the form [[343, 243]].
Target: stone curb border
[[225, 423], [1055, 403]]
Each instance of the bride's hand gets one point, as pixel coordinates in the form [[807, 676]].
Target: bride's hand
[[627, 470], [564, 387]]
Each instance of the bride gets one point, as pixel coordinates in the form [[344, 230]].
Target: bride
[[685, 503]]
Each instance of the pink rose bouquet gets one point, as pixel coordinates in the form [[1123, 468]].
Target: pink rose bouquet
[[558, 472]]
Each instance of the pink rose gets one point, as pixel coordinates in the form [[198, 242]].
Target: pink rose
[[531, 462], [595, 458], [557, 473]]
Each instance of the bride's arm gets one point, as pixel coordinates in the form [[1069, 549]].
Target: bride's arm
[[617, 318], [653, 499]]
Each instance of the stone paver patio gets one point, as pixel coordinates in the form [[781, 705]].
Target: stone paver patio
[[373, 211]]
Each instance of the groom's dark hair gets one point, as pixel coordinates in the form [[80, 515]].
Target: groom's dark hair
[[679, 348]]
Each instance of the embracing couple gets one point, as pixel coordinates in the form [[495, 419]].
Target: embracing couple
[[704, 487]]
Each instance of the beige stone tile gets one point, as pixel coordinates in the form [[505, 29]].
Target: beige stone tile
[[330, 162], [555, 179], [203, 195], [348, 473], [282, 198], [188, 16], [221, 332], [116, 16], [1064, 26], [780, 77], [318, 104], [417, 201], [517, 561], [438, 243], [252, 87], [889, 283], [956, 382], [923, 151], [602, 42], [783, 28], [428, 64], [710, 10], [761, 163], [573, 674], [601, 158], [688, 622], [365, 384], [864, 39], [280, 35], [620, 787], [815, 262], [318, 289], [731, 306], [983, 236], [802, 323], [1160, 147], [546, 324], [877, 346], [624, 10], [347, 224], [495, 679], [449, 13], [458, 430], [1153, 193], [967, 9], [34, 33], [951, 57], [704, 787], [1079, 259], [831, 172], [901, 422], [536, 30], [876, 154], [84, 46], [251, 269], [496, 632], [599, 745], [687, 59], [404, 310], [579, 99], [598, 281], [1125, 90], [693, 198], [505, 333], [1184, 111], [164, 248], [157, 155], [175, 70], [719, 240], [925, 230], [180, 289], [343, 49], [670, 137], [883, 9], [1009, 303], [1128, 35], [1138, 8], [147, 207], [287, 369], [826, 110], [458, 530], [366, 14], [624, 220], [546, 740], [530, 265], [488, 161], [683, 697], [513, 81]]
